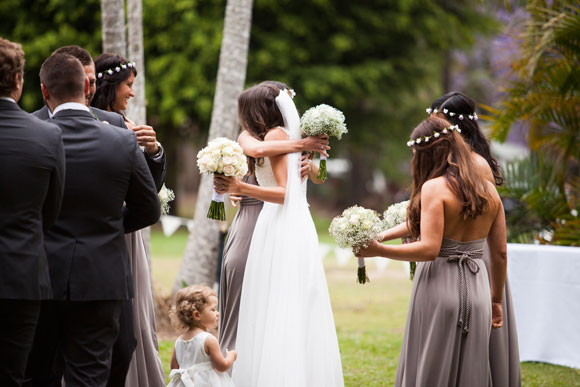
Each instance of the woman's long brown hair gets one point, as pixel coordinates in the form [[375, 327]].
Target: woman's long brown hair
[[447, 156], [258, 112]]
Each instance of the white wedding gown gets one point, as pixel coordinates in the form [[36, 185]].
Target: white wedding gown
[[286, 333]]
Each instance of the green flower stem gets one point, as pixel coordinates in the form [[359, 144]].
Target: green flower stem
[[322, 175], [412, 270], [362, 275], [216, 211]]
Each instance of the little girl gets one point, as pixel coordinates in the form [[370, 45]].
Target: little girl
[[197, 359]]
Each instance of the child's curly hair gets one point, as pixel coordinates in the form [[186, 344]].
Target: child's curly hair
[[194, 297]]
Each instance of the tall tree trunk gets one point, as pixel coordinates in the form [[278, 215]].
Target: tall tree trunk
[[137, 109], [199, 264], [113, 26]]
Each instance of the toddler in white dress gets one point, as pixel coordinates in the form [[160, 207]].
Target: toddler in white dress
[[197, 360]]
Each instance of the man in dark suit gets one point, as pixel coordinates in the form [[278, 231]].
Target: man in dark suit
[[87, 254], [32, 174], [155, 157], [154, 154]]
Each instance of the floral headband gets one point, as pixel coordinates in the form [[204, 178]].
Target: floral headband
[[472, 117], [435, 134], [291, 92], [122, 66]]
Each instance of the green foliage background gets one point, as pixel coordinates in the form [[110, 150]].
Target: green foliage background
[[380, 62]]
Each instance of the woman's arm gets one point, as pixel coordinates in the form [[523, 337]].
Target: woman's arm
[[218, 361], [396, 232], [255, 148], [496, 241], [224, 184], [432, 223]]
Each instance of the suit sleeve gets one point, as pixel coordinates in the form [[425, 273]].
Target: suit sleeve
[[142, 207], [158, 168], [55, 189]]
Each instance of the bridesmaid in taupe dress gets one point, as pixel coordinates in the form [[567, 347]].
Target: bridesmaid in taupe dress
[[453, 308], [504, 356], [240, 233]]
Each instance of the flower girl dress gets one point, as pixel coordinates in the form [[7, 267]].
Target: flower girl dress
[[195, 365]]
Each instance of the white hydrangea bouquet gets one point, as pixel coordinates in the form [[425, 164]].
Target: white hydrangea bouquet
[[394, 216], [165, 196], [355, 228], [323, 119], [226, 157]]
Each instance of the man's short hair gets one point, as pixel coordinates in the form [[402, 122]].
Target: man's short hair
[[64, 77], [78, 52], [11, 64]]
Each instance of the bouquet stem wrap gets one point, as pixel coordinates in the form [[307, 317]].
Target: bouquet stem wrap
[[322, 174], [362, 272], [217, 209]]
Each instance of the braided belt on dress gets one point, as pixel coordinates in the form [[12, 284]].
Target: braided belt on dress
[[464, 259]]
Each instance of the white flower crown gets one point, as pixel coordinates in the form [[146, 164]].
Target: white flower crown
[[435, 134], [291, 92], [472, 117], [122, 66]]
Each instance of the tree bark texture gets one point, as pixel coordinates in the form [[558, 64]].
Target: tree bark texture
[[113, 26], [137, 108]]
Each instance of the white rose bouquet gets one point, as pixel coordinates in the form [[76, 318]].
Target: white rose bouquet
[[165, 196], [355, 228], [226, 157], [323, 119], [394, 216]]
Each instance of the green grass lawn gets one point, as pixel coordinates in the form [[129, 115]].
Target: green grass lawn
[[370, 319]]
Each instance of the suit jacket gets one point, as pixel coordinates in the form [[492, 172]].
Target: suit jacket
[[157, 165], [86, 247], [32, 169]]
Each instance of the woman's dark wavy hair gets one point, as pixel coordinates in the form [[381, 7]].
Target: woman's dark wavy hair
[[107, 85], [258, 112], [460, 103], [448, 156]]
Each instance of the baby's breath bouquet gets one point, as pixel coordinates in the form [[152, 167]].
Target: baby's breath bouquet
[[355, 228], [165, 196], [226, 157], [394, 216], [323, 119]]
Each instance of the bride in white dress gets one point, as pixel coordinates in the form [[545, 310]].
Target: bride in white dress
[[286, 333]]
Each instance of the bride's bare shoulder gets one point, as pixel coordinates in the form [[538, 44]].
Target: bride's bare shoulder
[[276, 134]]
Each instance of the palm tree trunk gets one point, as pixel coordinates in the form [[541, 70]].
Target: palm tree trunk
[[200, 259], [136, 109], [113, 25]]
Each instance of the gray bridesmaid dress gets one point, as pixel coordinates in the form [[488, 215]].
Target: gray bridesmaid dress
[[446, 340], [504, 354], [146, 369], [234, 264]]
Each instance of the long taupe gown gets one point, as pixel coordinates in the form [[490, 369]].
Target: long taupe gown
[[504, 354], [233, 266], [146, 369], [448, 326]]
